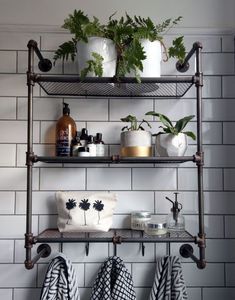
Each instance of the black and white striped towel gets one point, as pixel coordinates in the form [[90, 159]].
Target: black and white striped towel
[[169, 281], [60, 282], [113, 282]]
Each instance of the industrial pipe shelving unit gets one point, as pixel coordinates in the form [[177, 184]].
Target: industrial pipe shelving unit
[[163, 87]]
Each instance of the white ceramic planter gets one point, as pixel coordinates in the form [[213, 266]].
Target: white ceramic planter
[[136, 143], [104, 47], [171, 145], [152, 63]]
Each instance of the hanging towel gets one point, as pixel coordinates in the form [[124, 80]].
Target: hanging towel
[[60, 282], [113, 282], [169, 281]]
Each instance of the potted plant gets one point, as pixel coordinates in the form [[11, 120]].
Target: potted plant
[[135, 141], [124, 47], [139, 44], [172, 141], [96, 53]]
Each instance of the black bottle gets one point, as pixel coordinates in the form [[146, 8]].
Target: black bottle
[[75, 144], [84, 137]]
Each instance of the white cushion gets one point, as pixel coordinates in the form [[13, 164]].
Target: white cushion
[[85, 211]]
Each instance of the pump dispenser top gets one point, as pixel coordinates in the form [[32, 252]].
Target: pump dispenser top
[[66, 109], [175, 220]]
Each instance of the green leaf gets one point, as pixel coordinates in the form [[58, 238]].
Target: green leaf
[[178, 49], [169, 130], [144, 121], [190, 134], [180, 125], [152, 113], [66, 50], [125, 127], [129, 118], [165, 120], [94, 65]]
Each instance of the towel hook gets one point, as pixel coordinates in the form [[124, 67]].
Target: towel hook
[[142, 244], [117, 239], [87, 245]]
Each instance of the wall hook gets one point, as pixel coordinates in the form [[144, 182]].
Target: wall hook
[[143, 248], [142, 244], [87, 246]]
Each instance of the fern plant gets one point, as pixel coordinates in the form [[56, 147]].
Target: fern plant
[[146, 29], [126, 33], [82, 28], [170, 128], [93, 65]]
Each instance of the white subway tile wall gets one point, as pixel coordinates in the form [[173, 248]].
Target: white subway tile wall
[[137, 187]]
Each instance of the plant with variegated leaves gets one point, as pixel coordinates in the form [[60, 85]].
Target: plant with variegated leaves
[[168, 126]]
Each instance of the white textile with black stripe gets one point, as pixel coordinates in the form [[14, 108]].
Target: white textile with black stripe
[[60, 282], [113, 282], [169, 281]]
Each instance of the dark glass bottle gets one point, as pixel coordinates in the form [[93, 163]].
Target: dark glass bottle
[[84, 137], [75, 144], [65, 132]]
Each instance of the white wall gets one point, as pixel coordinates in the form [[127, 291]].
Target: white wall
[[200, 13], [216, 282]]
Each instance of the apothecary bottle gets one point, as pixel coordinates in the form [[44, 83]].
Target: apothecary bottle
[[65, 132], [100, 148]]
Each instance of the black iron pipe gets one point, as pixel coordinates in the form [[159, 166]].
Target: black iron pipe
[[186, 251], [115, 159], [44, 64], [201, 227], [30, 83], [43, 250], [182, 67]]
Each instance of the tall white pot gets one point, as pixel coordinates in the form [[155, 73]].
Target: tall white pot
[[136, 143], [103, 46], [168, 144], [152, 63]]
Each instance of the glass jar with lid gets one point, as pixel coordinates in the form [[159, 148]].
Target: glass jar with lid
[[139, 218], [156, 227]]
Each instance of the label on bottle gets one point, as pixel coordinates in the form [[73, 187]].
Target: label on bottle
[[75, 150], [63, 143], [83, 143], [92, 149], [100, 149]]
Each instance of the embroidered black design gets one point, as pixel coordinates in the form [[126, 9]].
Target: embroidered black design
[[84, 205], [99, 206], [70, 204]]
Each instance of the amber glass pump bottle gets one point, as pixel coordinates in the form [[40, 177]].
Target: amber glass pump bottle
[[65, 132]]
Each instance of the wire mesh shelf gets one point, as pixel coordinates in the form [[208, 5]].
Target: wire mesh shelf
[[111, 87], [123, 235]]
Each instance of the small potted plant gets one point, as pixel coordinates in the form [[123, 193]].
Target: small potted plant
[[172, 141], [135, 141], [96, 53]]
